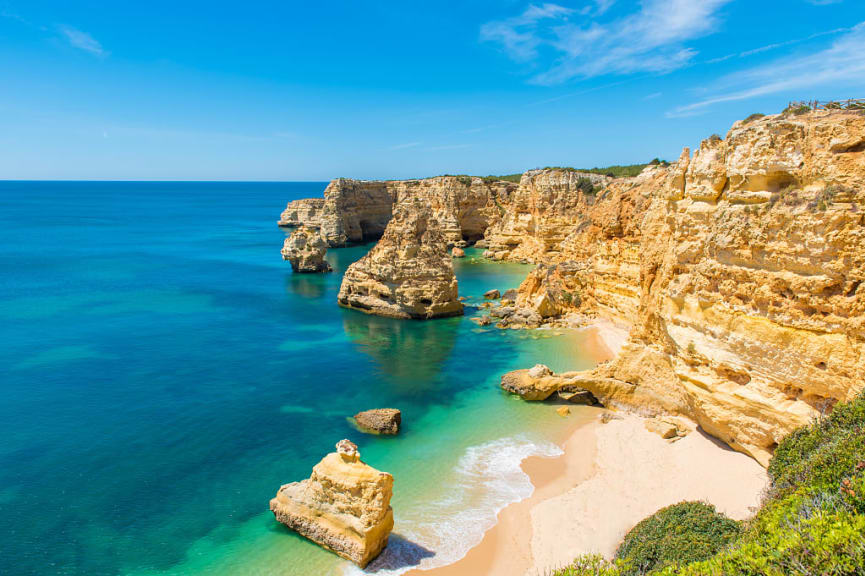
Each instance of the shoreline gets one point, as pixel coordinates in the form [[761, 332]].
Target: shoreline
[[609, 478], [550, 477]]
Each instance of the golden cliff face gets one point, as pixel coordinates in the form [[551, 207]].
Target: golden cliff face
[[305, 211], [739, 270], [546, 207], [354, 211], [359, 210]]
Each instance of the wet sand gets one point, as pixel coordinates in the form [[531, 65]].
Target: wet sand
[[610, 477]]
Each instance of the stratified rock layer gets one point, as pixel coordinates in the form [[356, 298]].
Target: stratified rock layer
[[344, 506], [359, 210], [409, 272], [739, 270], [305, 249], [547, 206], [304, 212]]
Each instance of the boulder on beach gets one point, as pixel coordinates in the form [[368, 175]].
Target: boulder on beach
[[344, 506], [665, 430], [379, 420], [535, 384]]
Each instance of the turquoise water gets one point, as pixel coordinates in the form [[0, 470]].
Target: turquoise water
[[162, 373]]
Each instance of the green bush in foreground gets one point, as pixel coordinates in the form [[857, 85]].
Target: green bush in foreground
[[676, 535], [812, 521]]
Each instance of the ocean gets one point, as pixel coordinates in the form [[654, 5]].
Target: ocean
[[163, 372]]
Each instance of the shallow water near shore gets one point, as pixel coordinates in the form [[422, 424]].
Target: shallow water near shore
[[164, 372]]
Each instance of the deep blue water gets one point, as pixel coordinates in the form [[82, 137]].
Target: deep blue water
[[162, 372]]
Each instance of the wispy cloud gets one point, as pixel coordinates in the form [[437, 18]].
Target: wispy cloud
[[406, 145], [653, 96], [82, 40], [776, 45], [840, 65], [520, 36], [652, 39]]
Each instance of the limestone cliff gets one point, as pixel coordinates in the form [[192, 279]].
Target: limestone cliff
[[359, 210], [740, 271], [354, 211], [546, 207], [306, 211], [409, 273], [464, 207], [343, 506]]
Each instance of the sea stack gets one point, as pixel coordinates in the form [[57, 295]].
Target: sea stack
[[305, 249], [343, 507], [409, 273]]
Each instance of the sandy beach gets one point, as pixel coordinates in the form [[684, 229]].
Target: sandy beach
[[610, 477]]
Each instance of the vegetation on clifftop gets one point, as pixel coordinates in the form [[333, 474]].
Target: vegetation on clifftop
[[617, 171], [812, 520], [676, 535]]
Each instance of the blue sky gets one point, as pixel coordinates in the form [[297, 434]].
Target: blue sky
[[313, 90]]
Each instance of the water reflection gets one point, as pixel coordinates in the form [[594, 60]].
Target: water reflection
[[413, 352], [307, 285]]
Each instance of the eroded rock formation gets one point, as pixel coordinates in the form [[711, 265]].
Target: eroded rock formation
[[408, 274], [304, 212], [344, 506], [305, 249], [739, 270], [546, 207], [359, 210]]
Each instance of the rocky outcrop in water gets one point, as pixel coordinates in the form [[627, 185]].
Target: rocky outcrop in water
[[344, 506], [408, 274], [305, 249], [379, 420], [739, 270], [359, 210]]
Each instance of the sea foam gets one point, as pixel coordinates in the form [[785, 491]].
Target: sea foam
[[487, 478]]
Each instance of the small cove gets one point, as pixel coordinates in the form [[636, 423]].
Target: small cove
[[165, 372]]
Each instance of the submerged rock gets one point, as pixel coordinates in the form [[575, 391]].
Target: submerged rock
[[408, 274], [343, 507], [305, 249], [380, 420]]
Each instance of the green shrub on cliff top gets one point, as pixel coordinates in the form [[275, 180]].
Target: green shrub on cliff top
[[812, 521]]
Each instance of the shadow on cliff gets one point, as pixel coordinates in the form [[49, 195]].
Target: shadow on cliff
[[400, 553], [412, 352]]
